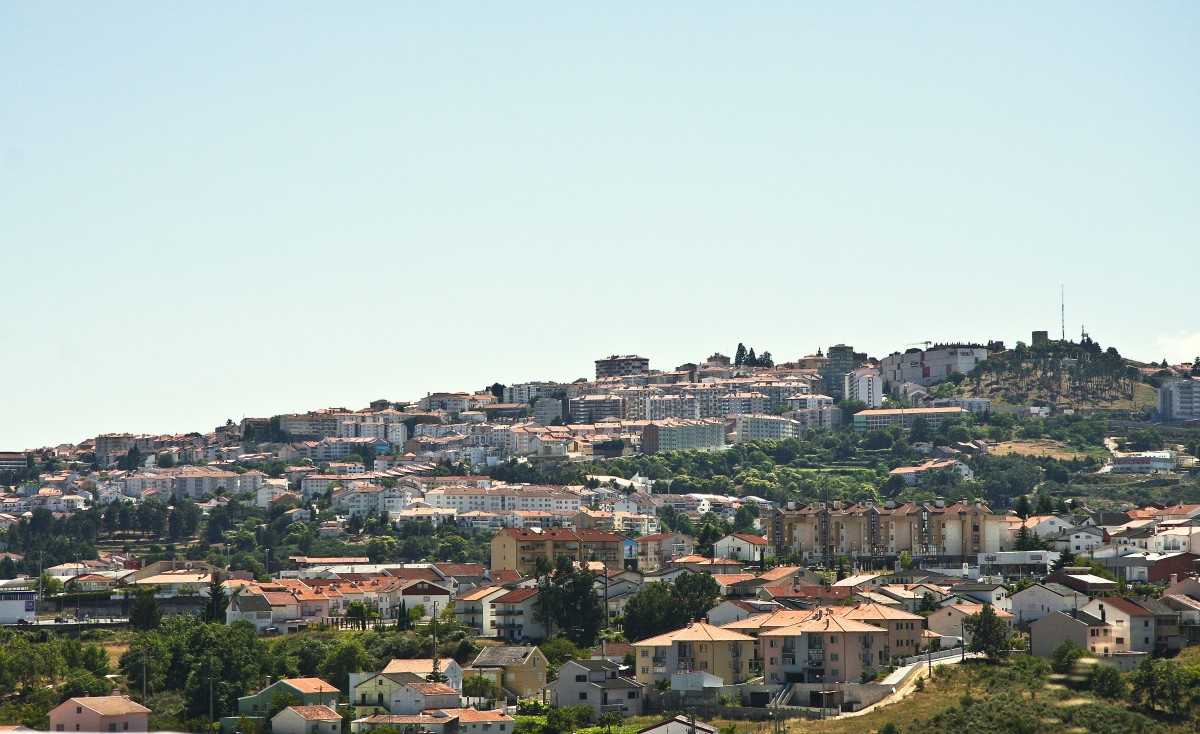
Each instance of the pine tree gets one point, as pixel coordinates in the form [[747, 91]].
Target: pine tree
[[739, 357], [751, 360]]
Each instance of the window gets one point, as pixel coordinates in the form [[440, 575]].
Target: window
[[581, 678], [833, 639], [645, 653], [704, 663], [632, 694], [703, 648], [833, 657], [583, 695], [112, 726], [645, 669]]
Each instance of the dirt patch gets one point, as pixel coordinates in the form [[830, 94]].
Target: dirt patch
[[1038, 447]]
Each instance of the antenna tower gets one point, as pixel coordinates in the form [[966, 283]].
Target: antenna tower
[[1062, 303]]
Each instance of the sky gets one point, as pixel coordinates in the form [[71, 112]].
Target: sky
[[217, 210]]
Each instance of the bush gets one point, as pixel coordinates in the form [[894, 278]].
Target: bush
[[1107, 682], [1063, 658]]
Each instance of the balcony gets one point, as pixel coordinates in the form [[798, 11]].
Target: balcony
[[511, 613], [789, 659]]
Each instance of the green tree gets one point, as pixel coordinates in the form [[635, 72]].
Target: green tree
[[145, 613], [1106, 682], [920, 431], [217, 601], [988, 633], [1022, 507], [608, 720], [476, 686], [1032, 673], [1063, 658], [694, 594], [279, 701], [349, 656]]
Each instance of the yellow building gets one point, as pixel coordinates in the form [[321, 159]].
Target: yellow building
[[517, 549], [697, 648]]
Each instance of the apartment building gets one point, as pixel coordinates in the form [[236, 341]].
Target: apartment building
[[766, 428], [596, 408], [1179, 400], [517, 549], [839, 360], [957, 531], [683, 435], [671, 406], [699, 647], [865, 384], [503, 499], [826, 647], [621, 366]]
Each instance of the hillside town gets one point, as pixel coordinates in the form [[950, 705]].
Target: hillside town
[[583, 552]]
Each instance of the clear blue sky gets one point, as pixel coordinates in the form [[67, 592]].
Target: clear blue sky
[[211, 210]]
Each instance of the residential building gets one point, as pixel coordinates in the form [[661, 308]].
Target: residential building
[[515, 618], [683, 435], [752, 427], [1096, 635], [948, 620], [309, 691], [518, 672], [621, 366], [839, 360], [1145, 462], [306, 720], [100, 714], [474, 609], [518, 549], [413, 698], [1178, 400], [824, 647], [596, 683], [596, 408], [1034, 602], [698, 647], [680, 724], [914, 475], [654, 551], [865, 384], [741, 547]]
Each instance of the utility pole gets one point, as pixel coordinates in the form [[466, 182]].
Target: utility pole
[[210, 702]]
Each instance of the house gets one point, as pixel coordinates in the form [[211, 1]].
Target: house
[[1034, 602], [306, 720], [985, 593], [698, 647], [100, 713], [423, 667], [948, 621], [471, 721], [679, 725], [1092, 633], [373, 694], [1133, 625], [514, 615], [1079, 540], [653, 551], [741, 547], [309, 691], [735, 610], [474, 610], [413, 698], [427, 723], [518, 672], [595, 683]]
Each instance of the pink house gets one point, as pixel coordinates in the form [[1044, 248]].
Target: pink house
[[100, 714]]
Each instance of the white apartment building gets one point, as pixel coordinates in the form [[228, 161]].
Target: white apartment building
[[865, 384], [498, 499], [766, 428], [971, 405], [1179, 400], [676, 434], [684, 407]]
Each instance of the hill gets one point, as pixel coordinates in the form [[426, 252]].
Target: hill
[[1061, 374]]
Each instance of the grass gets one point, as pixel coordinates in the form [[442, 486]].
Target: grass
[[940, 694]]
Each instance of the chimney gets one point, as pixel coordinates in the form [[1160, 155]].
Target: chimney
[[1103, 614], [939, 502], [889, 505], [116, 691], [1174, 579]]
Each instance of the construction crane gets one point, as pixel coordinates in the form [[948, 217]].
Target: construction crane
[[926, 343]]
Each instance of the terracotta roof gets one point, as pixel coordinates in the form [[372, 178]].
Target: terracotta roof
[[432, 689], [755, 539], [409, 665], [110, 705], [315, 713], [515, 596], [310, 685], [697, 631], [472, 715]]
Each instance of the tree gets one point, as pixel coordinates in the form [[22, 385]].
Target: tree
[[1022, 507], [1106, 682], [281, 700], [476, 686], [739, 357], [906, 561], [694, 594], [1032, 672], [214, 606], [988, 633], [650, 611], [609, 719], [919, 431], [144, 613], [348, 657]]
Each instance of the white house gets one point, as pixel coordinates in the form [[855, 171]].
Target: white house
[[1034, 602], [307, 720], [741, 547]]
